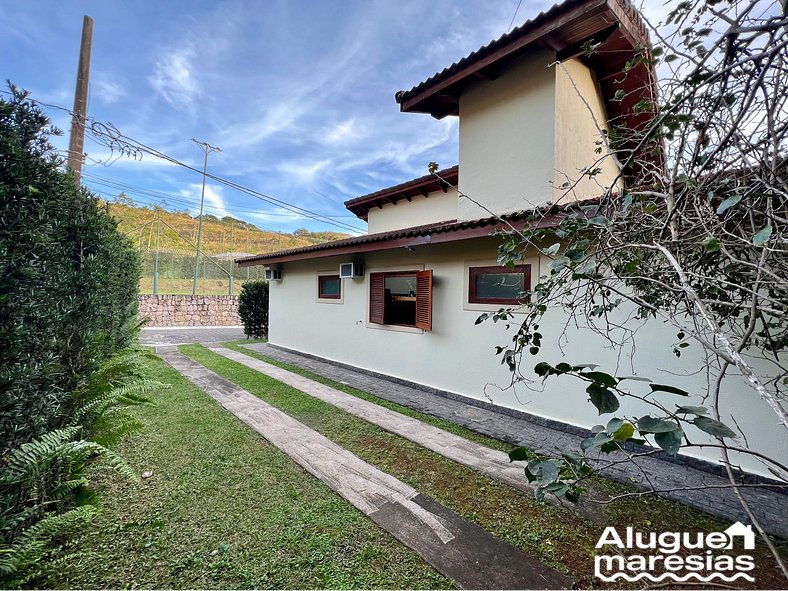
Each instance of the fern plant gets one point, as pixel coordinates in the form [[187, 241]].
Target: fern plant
[[42, 480]]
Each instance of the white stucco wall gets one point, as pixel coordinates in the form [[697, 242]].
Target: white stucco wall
[[436, 207], [579, 117], [506, 139], [458, 355]]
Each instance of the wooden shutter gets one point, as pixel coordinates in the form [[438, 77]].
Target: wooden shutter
[[377, 298], [424, 300]]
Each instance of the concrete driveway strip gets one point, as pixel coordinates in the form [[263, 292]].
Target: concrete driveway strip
[[469, 555], [479, 457]]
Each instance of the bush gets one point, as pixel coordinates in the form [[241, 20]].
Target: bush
[[253, 309], [68, 280], [68, 313]]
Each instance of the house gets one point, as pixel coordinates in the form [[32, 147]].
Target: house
[[531, 105]]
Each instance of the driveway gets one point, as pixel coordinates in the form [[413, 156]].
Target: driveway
[[180, 335]]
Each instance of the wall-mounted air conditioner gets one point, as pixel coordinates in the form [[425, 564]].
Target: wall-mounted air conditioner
[[351, 270], [273, 274]]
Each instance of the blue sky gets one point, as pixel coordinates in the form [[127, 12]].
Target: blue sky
[[299, 95]]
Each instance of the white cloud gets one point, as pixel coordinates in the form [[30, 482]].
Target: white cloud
[[213, 198], [173, 79], [344, 132], [304, 173], [106, 90]]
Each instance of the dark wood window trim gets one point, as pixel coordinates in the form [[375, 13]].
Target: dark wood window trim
[[473, 272], [423, 298], [328, 296]]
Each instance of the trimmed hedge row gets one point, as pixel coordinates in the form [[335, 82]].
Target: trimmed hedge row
[[68, 280]]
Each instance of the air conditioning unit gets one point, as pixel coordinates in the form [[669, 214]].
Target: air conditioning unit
[[351, 270], [273, 274]]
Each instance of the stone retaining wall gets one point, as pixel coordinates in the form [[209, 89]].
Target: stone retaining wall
[[189, 310]]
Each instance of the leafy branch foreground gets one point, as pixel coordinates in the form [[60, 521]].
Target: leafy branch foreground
[[696, 242]]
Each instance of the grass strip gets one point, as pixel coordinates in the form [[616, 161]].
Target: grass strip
[[225, 509], [429, 419], [554, 535]]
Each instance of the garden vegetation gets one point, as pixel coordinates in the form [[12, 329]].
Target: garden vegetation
[[68, 320]]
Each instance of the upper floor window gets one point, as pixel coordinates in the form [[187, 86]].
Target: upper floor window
[[402, 299], [498, 285], [329, 287]]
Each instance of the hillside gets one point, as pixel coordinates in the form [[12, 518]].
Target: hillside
[[167, 241], [226, 235]]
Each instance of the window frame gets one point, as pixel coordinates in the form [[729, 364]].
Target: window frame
[[423, 299], [321, 296], [473, 272]]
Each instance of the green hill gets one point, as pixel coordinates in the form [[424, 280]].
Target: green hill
[[173, 234]]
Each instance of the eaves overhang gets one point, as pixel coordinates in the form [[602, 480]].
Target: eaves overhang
[[436, 233], [420, 187]]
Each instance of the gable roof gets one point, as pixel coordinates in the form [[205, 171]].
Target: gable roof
[[421, 186], [615, 25], [436, 233], [564, 28]]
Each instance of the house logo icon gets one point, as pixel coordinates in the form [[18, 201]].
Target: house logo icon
[[745, 532]]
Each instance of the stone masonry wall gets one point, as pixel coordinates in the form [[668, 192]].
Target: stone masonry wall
[[189, 310]]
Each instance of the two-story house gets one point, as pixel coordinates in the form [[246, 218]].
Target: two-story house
[[531, 105]]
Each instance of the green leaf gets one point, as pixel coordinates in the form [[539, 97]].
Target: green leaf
[[670, 441], [595, 441], [619, 96], [604, 400], [600, 378], [728, 203], [762, 236], [518, 454], [545, 471], [669, 389], [543, 369], [654, 425], [713, 427], [624, 432], [711, 244], [692, 410], [614, 425], [550, 251]]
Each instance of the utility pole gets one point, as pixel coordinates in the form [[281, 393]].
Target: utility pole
[[208, 148], [156, 261], [76, 142]]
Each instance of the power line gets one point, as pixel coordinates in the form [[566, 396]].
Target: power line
[[514, 16], [111, 137], [177, 197]]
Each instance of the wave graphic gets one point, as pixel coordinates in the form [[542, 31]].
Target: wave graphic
[[678, 579]]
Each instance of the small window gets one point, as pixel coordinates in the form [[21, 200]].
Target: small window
[[329, 287], [401, 299], [498, 285]]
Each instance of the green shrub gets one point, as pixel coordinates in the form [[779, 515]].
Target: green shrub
[[68, 314], [68, 280], [253, 308]]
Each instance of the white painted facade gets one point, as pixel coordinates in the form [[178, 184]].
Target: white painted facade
[[437, 206], [459, 356], [520, 135]]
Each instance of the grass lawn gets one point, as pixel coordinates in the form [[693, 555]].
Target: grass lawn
[[225, 509], [554, 535]]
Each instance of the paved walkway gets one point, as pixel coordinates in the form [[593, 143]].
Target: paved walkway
[[182, 335], [478, 457], [709, 493], [469, 555]]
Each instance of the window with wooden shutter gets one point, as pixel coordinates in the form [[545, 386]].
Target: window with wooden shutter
[[377, 298], [424, 300]]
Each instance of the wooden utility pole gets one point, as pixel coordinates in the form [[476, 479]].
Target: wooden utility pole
[[76, 142]]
